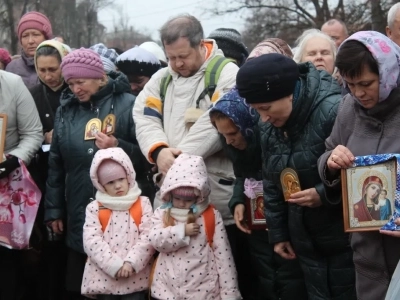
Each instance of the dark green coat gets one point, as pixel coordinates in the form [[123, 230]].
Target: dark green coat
[[69, 187], [316, 234]]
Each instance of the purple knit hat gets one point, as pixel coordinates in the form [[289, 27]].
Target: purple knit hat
[[82, 63], [35, 20]]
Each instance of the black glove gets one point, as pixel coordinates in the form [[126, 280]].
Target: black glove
[[7, 166]]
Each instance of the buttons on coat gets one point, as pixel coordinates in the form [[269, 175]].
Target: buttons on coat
[[90, 151]]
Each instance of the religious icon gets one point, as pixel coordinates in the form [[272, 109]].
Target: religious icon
[[109, 124], [3, 129], [92, 128], [254, 203], [368, 195], [290, 182]]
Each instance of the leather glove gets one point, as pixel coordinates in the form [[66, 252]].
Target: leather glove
[[7, 166]]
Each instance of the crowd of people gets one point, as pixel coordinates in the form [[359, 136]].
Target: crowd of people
[[147, 161]]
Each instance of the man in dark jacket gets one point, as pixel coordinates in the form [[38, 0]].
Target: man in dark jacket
[[262, 273], [298, 104]]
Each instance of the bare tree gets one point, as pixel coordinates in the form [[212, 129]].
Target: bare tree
[[288, 18]]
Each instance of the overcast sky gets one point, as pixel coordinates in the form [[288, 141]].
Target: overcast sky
[[152, 14]]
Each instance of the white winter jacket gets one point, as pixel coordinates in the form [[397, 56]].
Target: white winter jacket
[[160, 124]]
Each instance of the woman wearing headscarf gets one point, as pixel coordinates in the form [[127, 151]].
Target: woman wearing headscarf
[[47, 94], [33, 28], [262, 273], [91, 94], [297, 105], [368, 123]]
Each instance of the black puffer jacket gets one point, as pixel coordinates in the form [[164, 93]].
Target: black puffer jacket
[[71, 156], [316, 234]]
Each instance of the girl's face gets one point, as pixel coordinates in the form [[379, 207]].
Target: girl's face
[[373, 191], [182, 203], [117, 188]]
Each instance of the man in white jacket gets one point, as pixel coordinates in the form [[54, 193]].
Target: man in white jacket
[[164, 128]]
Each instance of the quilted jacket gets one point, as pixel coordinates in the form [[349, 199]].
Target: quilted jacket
[[69, 188], [316, 234], [272, 275]]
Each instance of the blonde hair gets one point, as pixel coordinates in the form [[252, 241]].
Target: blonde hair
[[168, 220]]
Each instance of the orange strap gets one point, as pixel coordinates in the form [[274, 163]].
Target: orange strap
[[135, 212], [209, 223]]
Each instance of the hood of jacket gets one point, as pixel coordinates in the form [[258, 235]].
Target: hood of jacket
[[313, 87], [118, 155], [186, 171], [117, 84]]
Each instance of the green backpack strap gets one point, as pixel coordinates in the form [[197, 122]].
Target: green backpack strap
[[211, 76], [164, 85]]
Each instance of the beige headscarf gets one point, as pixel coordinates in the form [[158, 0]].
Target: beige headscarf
[[271, 45], [62, 49]]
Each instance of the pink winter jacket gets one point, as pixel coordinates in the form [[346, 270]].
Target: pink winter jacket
[[121, 241], [187, 267]]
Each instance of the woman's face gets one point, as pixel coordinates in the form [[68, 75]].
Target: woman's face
[[30, 39], [364, 87], [84, 88], [276, 112], [49, 71], [373, 190], [137, 83], [319, 51]]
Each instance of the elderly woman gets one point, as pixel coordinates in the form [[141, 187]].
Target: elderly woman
[[23, 139], [261, 272], [298, 105], [318, 48], [368, 123], [33, 28], [91, 94]]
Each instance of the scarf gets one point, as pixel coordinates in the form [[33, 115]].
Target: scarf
[[119, 203], [180, 214]]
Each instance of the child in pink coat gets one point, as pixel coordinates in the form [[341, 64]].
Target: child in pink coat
[[119, 255], [188, 267]]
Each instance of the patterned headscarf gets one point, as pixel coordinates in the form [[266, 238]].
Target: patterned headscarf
[[241, 114], [386, 54], [271, 45]]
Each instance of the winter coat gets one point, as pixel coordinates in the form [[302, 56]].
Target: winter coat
[[276, 277], [24, 131], [163, 124], [317, 234], [24, 67], [367, 132], [47, 101], [122, 241], [188, 267], [71, 156]]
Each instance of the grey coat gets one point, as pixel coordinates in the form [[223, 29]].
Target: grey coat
[[24, 130], [368, 132]]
